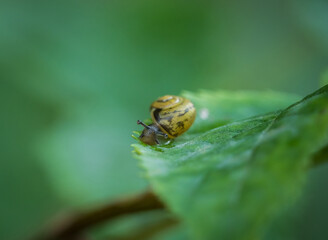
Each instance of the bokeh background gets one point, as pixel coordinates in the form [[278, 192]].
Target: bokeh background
[[76, 75]]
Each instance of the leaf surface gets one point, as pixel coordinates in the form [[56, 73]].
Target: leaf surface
[[232, 181]]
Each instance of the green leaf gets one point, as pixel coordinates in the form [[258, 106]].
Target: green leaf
[[233, 181], [217, 108]]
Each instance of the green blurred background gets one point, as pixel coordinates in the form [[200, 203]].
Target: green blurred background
[[76, 75]]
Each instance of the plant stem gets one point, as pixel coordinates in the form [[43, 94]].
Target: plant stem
[[72, 227], [320, 157]]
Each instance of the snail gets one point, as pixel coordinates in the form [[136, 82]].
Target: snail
[[171, 115]]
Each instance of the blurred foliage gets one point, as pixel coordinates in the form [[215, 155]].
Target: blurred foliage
[[230, 182], [76, 75]]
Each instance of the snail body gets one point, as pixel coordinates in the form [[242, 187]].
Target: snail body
[[171, 115]]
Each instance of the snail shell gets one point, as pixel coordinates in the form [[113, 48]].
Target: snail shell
[[173, 115]]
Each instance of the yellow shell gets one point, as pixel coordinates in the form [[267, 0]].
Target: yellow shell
[[173, 115]]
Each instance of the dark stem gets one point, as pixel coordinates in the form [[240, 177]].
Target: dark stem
[[72, 227], [320, 157]]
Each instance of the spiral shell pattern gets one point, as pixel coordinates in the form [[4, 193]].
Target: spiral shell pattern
[[173, 115]]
